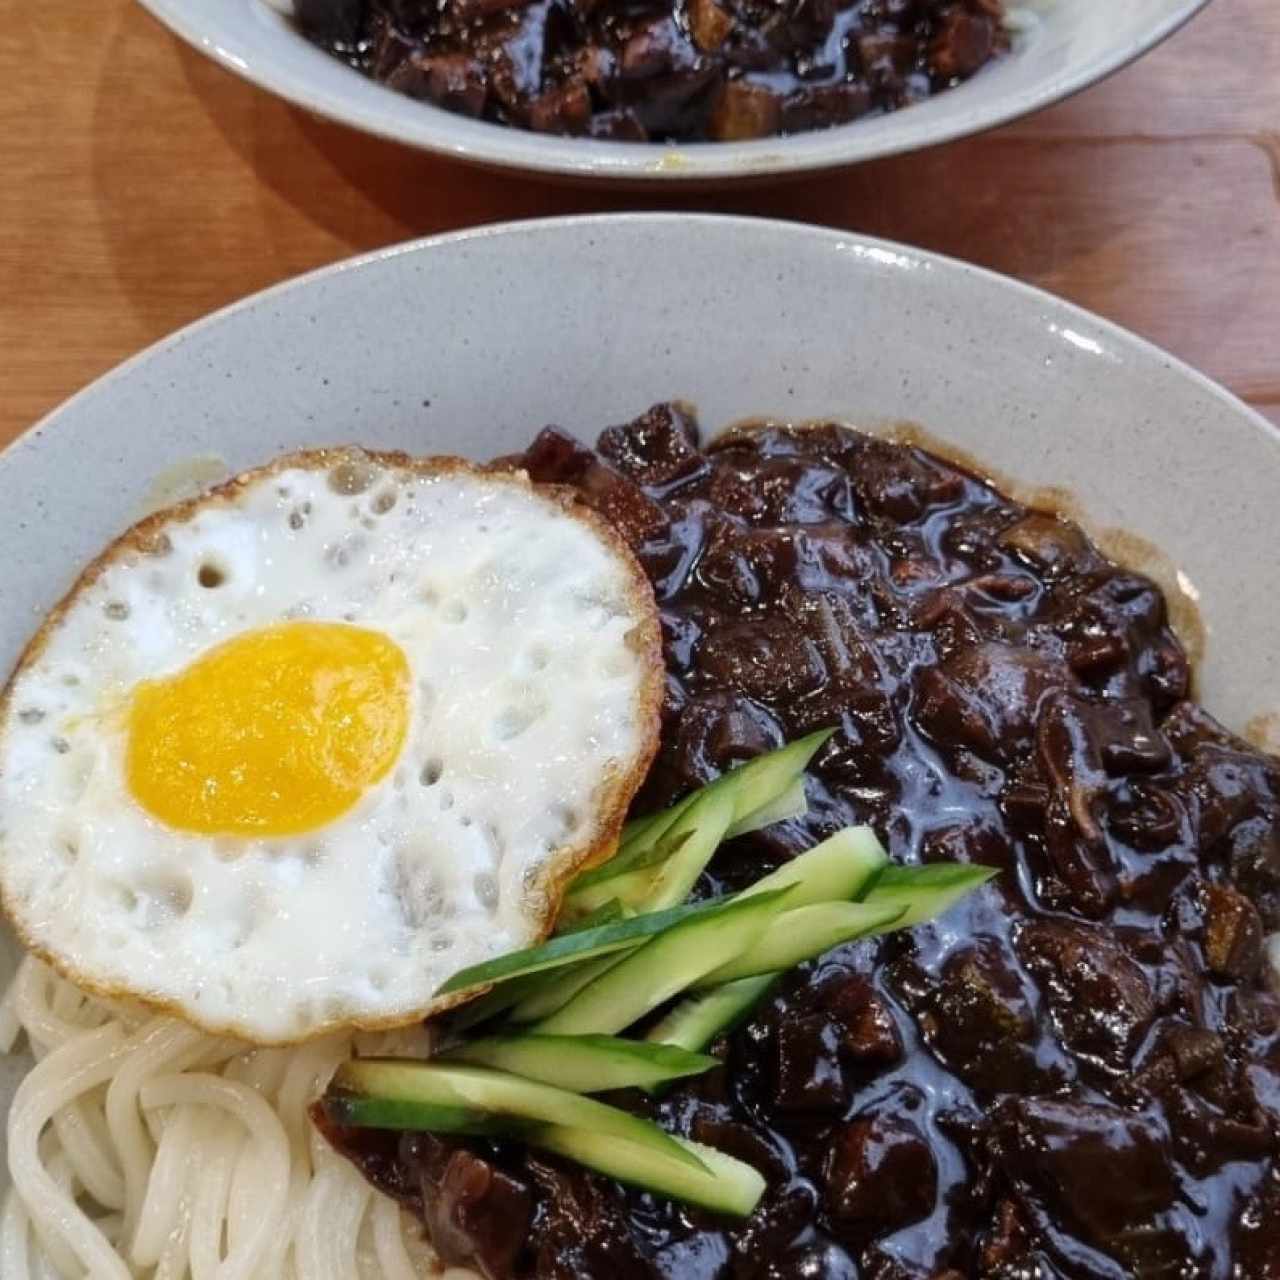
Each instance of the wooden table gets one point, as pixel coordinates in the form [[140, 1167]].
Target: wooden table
[[141, 186]]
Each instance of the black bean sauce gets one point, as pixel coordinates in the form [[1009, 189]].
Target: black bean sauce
[[636, 70], [1074, 1073]]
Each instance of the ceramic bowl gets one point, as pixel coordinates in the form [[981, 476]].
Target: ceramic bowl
[[470, 343], [1062, 46]]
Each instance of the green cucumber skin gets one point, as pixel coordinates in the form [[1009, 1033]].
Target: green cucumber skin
[[584, 1064], [803, 934], [837, 870], [559, 986], [673, 1167], [708, 821], [697, 1021], [761, 781], [663, 968], [570, 948], [628, 887], [605, 914], [359, 1111], [748, 788], [637, 858], [927, 891], [636, 829], [425, 1090], [495, 1002], [695, 836], [792, 803], [752, 787], [725, 1185]]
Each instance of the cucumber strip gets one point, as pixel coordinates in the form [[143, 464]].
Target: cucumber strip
[[427, 1095], [707, 821], [749, 788], [796, 936], [638, 829], [572, 947], [792, 803], [755, 784], [724, 1185], [558, 986], [649, 831], [665, 966], [752, 789], [761, 781], [584, 1064], [698, 1019], [836, 870], [926, 891], [359, 1111], [629, 887], [497, 1000], [698, 833], [604, 914], [642, 854], [833, 871]]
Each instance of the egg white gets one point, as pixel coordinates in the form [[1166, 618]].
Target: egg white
[[533, 646]]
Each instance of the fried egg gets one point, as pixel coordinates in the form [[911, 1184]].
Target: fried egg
[[291, 754]]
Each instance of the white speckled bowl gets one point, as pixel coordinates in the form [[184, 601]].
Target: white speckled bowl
[[1068, 45], [469, 343]]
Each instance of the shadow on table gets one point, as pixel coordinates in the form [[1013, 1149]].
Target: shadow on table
[[1101, 216], [976, 199]]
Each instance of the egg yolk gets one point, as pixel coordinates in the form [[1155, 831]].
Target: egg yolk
[[272, 733]]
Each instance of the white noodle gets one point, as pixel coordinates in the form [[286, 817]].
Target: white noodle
[[209, 1213], [160, 1041], [161, 1208], [143, 1149], [94, 1164], [10, 1023], [14, 1229], [80, 1063]]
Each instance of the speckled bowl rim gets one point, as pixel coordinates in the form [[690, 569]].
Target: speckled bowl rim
[[725, 223], [499, 147]]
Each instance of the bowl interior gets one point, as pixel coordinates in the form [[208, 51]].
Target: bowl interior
[[470, 343], [1062, 46]]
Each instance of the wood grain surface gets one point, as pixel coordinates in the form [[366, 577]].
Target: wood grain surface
[[141, 186]]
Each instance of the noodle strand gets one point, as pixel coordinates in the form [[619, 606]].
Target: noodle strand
[[143, 1149]]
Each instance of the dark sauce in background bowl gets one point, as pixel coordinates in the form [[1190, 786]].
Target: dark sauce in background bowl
[[662, 70], [1076, 1072]]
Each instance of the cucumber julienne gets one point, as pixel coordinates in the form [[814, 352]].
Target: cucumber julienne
[[498, 1000], [698, 1020], [554, 988], [755, 791], [725, 1185], [926, 891], [629, 944], [606, 913], [792, 803], [383, 1092], [665, 966], [696, 835], [569, 948], [837, 870], [796, 936], [584, 1064], [640, 855]]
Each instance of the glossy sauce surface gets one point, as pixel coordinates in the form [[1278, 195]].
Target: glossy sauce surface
[[640, 70], [1076, 1072]]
